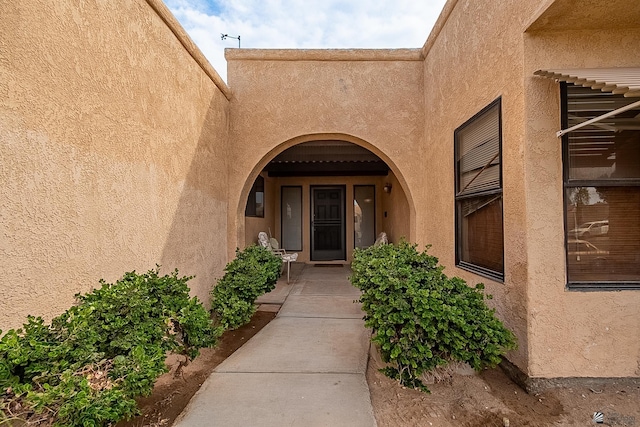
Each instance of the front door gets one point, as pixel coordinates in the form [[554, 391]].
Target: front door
[[327, 224]]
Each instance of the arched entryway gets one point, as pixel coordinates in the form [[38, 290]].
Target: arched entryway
[[324, 195]]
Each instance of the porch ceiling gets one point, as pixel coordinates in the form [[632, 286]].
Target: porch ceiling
[[326, 158]]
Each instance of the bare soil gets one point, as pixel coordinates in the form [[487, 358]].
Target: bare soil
[[489, 399]]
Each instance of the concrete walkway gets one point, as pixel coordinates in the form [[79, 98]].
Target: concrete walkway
[[305, 368]]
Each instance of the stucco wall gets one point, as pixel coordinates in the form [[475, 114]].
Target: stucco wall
[[475, 55], [480, 51], [281, 97], [472, 58], [395, 206], [590, 334], [113, 153]]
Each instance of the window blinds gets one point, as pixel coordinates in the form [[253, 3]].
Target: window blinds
[[479, 154]]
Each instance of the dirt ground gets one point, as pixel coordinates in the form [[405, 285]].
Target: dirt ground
[[489, 399]]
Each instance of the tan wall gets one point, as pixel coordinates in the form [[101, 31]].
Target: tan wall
[[113, 153], [115, 157], [395, 207], [468, 65], [477, 53], [591, 334], [281, 98]]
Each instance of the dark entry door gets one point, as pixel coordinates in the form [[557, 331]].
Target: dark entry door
[[327, 224]]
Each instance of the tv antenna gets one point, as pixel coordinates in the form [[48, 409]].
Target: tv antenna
[[227, 36]]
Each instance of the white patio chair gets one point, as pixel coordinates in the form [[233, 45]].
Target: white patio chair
[[382, 239], [273, 246]]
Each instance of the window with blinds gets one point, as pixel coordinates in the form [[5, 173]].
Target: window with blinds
[[602, 191], [479, 154], [479, 232]]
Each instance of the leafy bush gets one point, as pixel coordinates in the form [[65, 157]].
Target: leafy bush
[[422, 319], [86, 368], [252, 273]]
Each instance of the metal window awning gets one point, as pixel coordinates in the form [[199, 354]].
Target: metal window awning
[[624, 81]]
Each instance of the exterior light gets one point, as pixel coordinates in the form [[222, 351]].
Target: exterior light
[[387, 187]]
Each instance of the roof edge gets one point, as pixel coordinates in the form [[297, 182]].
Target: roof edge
[[538, 14], [245, 54], [172, 23], [438, 26]]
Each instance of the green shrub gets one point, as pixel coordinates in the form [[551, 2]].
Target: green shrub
[[86, 368], [252, 273], [422, 319]]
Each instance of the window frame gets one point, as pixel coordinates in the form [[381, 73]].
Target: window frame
[[375, 212], [567, 183], [282, 220], [251, 208], [498, 276]]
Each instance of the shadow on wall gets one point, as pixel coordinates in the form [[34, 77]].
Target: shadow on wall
[[197, 241]]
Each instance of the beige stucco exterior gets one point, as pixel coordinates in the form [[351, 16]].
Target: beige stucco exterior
[[112, 146], [366, 97], [119, 160], [561, 334], [464, 66], [582, 334]]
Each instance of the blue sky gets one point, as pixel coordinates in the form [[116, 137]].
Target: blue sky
[[309, 24]]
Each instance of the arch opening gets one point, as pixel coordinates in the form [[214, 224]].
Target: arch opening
[[323, 196]]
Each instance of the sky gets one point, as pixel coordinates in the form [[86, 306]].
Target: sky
[[305, 24]]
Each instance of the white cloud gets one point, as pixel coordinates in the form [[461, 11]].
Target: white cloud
[[304, 24]]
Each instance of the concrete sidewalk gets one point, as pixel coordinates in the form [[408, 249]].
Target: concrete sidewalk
[[305, 368]]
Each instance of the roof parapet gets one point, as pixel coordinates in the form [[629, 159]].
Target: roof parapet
[[172, 23], [231, 54], [438, 26]]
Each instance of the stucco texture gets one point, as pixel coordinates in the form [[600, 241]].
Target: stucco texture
[[113, 154], [370, 98], [121, 148], [406, 110], [467, 66], [591, 334]]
